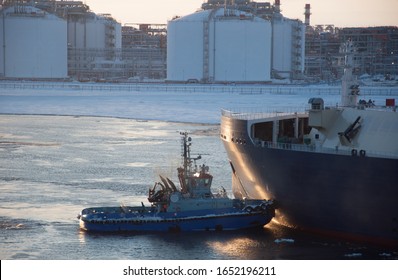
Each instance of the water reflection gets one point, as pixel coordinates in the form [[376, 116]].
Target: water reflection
[[245, 244]]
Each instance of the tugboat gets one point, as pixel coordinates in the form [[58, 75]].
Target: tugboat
[[190, 207]]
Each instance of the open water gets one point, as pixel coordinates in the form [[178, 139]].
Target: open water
[[51, 167]]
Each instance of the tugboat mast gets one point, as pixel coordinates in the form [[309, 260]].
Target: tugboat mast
[[186, 154], [185, 171]]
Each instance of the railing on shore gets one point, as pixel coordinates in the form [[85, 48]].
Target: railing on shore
[[249, 89]]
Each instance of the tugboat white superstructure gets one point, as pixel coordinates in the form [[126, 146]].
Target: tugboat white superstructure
[[332, 170], [191, 207]]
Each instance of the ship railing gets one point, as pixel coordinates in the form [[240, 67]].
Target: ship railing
[[252, 114], [270, 112], [317, 149]]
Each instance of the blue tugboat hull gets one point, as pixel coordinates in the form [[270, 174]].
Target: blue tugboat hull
[[204, 223], [122, 219]]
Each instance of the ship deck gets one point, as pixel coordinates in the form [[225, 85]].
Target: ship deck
[[271, 115]]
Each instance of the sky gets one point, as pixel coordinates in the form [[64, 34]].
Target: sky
[[340, 13]]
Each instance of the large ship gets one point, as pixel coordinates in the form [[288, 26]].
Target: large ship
[[332, 170]]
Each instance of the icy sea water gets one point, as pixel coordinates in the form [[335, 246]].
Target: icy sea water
[[51, 167]]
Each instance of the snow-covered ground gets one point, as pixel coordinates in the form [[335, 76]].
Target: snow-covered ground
[[181, 103]]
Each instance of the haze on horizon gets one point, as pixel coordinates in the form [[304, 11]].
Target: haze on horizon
[[340, 13]]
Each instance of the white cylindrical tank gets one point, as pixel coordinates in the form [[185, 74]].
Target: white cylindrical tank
[[242, 50], [91, 31], [185, 47], [219, 46], [33, 44], [288, 47], [282, 47]]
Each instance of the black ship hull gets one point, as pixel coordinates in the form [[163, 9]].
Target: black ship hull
[[350, 196]]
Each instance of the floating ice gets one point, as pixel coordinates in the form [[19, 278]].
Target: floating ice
[[284, 240], [162, 102], [353, 255], [385, 255]]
